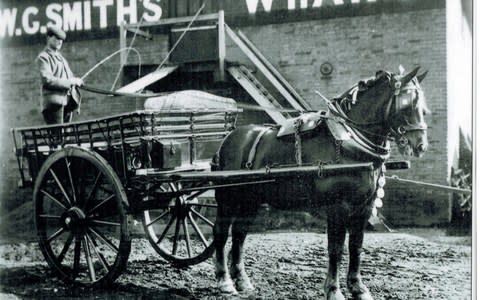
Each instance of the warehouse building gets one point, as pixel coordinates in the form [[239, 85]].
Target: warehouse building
[[315, 45]]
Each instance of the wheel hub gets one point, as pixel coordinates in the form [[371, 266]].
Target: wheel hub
[[74, 220]]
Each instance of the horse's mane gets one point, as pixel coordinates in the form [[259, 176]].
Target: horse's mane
[[346, 99]]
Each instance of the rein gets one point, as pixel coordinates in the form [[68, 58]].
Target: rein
[[114, 93]]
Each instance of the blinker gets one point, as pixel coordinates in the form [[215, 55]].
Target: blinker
[[404, 100]]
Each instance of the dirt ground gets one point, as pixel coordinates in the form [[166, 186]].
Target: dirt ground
[[287, 265]]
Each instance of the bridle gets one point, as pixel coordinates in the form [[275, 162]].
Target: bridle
[[401, 98]]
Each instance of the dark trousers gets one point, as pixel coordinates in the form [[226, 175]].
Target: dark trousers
[[56, 114]]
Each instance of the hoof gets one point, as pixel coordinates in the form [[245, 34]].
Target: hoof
[[244, 285], [362, 296], [227, 287], [358, 290], [334, 294]]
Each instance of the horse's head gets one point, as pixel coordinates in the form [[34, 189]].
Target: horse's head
[[405, 113], [389, 106]]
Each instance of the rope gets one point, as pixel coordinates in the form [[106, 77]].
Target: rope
[[181, 36], [128, 52], [107, 58]]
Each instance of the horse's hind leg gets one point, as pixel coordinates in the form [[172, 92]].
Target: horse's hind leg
[[222, 275], [355, 241], [336, 231], [240, 229]]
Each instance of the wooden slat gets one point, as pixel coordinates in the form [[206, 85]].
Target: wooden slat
[[135, 126], [146, 80]]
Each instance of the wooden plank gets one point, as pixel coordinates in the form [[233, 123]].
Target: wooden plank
[[196, 28], [140, 32], [146, 80], [221, 45], [257, 95], [171, 21], [123, 43], [260, 66]]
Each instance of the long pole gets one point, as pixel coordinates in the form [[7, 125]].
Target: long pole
[[432, 185]]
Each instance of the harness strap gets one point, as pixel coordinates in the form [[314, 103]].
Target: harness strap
[[253, 150], [356, 132], [298, 141]]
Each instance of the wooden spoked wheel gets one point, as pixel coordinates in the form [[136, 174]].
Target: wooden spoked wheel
[[182, 232], [81, 217]]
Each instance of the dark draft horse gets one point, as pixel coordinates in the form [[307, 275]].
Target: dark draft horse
[[385, 107]]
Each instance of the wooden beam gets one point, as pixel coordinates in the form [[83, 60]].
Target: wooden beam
[[146, 80], [195, 28], [221, 45], [140, 32], [123, 43], [171, 21]]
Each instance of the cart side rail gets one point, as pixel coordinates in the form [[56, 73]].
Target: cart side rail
[[120, 133]]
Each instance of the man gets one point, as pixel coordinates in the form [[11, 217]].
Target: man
[[59, 91]]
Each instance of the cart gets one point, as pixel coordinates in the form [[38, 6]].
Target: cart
[[93, 179]]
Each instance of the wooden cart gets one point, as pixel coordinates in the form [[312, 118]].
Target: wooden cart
[[93, 179]]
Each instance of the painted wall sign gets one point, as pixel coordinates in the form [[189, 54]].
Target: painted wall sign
[[24, 21], [268, 5], [75, 15]]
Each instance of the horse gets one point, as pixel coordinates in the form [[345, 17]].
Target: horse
[[372, 113]]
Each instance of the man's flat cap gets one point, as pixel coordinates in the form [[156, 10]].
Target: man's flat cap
[[56, 32]]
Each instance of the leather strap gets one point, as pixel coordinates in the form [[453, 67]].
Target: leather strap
[[253, 150]]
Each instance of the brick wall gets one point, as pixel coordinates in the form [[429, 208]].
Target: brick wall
[[356, 47]]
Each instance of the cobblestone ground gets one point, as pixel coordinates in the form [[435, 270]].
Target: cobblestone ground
[[281, 265]]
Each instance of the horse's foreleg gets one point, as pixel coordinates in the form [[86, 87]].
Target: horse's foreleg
[[336, 231], [222, 224], [355, 241], [239, 233]]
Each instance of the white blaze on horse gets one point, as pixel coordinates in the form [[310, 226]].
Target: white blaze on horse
[[357, 128]]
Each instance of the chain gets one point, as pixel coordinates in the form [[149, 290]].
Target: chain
[[298, 141], [338, 150], [321, 170]]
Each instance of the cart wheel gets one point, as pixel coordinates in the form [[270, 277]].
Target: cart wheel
[[81, 218], [182, 232]]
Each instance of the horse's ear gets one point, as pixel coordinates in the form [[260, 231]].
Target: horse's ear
[[422, 76], [409, 76], [362, 84]]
